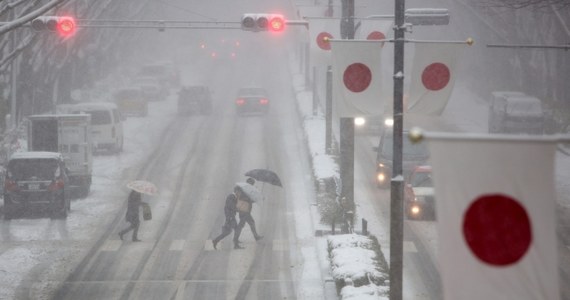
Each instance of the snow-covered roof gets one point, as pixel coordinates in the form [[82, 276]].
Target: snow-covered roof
[[36, 154], [80, 115], [94, 106]]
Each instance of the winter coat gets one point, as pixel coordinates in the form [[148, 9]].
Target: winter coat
[[133, 205], [230, 211]]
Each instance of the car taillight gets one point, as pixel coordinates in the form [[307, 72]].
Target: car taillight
[[10, 185], [240, 101], [56, 185], [263, 101]]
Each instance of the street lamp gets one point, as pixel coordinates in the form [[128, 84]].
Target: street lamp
[[404, 19]]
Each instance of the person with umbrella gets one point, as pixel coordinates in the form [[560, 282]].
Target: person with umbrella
[[134, 202], [230, 224], [244, 206], [132, 215]]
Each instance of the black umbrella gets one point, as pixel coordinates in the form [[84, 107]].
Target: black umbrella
[[264, 175]]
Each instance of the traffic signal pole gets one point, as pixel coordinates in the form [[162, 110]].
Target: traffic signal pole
[[397, 183]]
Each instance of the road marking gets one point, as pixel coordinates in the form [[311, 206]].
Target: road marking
[[180, 291], [410, 247], [177, 245], [111, 245], [208, 246], [280, 245]]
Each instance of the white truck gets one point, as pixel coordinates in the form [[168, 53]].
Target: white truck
[[70, 135]]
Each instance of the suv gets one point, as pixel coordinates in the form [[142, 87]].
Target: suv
[[36, 179], [515, 112], [412, 155], [194, 100], [419, 196]]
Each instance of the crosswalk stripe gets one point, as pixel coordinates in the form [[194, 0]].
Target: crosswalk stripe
[[111, 245], [280, 245], [208, 246], [177, 245]]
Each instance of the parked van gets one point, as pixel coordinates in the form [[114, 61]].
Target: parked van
[[106, 125]]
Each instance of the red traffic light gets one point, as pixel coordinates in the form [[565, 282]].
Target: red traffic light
[[277, 24], [263, 22], [65, 26]]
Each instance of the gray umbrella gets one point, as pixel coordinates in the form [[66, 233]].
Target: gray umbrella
[[264, 175]]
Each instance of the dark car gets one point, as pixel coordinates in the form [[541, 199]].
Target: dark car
[[252, 100], [36, 180], [412, 155], [195, 100], [419, 196]]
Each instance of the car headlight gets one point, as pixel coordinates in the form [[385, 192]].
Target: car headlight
[[359, 121], [381, 177], [415, 209]]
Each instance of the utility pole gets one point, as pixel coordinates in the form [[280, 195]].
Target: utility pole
[[347, 20], [397, 183]]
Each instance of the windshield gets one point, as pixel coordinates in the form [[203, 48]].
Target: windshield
[[128, 94], [153, 70], [408, 150], [251, 91], [422, 179], [524, 107], [99, 117], [33, 169]]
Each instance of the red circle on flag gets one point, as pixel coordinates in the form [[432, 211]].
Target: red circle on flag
[[375, 35], [357, 77], [436, 76], [497, 229], [323, 40]]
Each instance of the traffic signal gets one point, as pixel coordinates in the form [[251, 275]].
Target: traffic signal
[[263, 22], [65, 26]]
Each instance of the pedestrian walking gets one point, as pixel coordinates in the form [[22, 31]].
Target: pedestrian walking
[[132, 215], [244, 206], [230, 211]]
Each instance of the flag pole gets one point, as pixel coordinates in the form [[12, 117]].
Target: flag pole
[[397, 181]]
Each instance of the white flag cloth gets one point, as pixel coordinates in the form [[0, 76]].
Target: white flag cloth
[[357, 78], [495, 199], [321, 30], [433, 76], [374, 29]]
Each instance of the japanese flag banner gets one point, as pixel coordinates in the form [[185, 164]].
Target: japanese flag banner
[[357, 78], [321, 31], [374, 29], [495, 205], [433, 76]]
